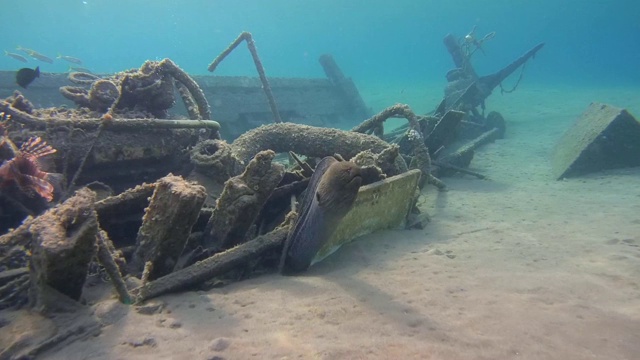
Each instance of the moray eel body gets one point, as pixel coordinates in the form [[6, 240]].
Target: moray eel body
[[332, 189]]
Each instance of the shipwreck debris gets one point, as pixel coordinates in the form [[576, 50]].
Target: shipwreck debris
[[106, 258], [150, 89], [603, 137], [216, 160], [310, 141], [375, 123], [466, 90], [62, 246], [238, 102], [124, 120], [470, 43], [421, 158], [346, 86], [212, 266], [457, 117], [461, 157], [159, 235], [246, 36], [121, 215], [120, 152], [173, 210], [125, 125], [241, 201], [14, 285]]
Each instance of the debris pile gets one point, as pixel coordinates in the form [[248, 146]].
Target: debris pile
[[246, 212]]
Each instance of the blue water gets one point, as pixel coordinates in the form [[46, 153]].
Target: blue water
[[588, 42]]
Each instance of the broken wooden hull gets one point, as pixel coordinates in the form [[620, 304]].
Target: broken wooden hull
[[238, 103]]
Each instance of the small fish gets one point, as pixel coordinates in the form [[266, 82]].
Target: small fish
[[25, 50], [25, 76], [15, 56], [70, 59], [36, 55], [79, 69]]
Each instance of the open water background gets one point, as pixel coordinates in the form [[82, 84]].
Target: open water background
[[588, 42]]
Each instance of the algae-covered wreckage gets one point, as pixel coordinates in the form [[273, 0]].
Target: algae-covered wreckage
[[131, 186]]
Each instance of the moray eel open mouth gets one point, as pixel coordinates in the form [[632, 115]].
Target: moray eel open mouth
[[330, 195]]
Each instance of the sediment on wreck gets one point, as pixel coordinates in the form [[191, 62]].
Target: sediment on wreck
[[213, 266], [241, 201], [221, 160], [62, 246], [149, 88], [166, 225], [304, 139]]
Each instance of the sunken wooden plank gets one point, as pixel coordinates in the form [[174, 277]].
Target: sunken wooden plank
[[63, 244], [215, 265], [173, 209], [241, 201], [379, 206], [237, 102]]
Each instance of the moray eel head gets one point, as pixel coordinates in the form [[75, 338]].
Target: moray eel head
[[338, 187], [332, 191]]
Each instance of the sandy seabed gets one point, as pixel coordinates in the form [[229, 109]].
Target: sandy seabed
[[520, 266]]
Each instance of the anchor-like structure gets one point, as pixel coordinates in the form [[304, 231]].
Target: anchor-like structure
[[466, 90]]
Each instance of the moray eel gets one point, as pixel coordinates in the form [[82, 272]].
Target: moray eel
[[332, 189]]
